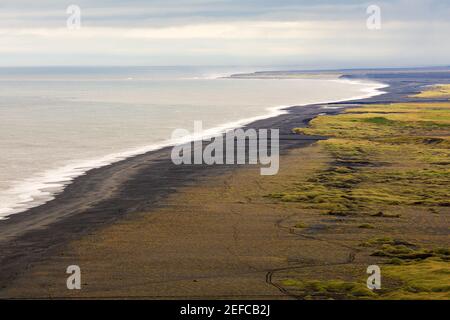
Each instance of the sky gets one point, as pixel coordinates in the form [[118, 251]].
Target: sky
[[316, 34]]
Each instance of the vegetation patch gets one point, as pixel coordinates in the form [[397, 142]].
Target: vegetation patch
[[301, 225], [385, 160], [437, 91], [398, 250], [335, 289], [426, 279], [386, 240], [379, 120], [379, 163], [423, 279]]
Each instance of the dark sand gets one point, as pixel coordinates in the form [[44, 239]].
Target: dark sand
[[144, 227]]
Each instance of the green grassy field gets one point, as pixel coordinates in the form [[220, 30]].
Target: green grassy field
[[438, 91], [386, 159]]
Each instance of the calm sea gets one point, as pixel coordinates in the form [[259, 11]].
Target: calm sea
[[57, 123]]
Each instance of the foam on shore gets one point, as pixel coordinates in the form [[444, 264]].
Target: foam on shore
[[44, 187]]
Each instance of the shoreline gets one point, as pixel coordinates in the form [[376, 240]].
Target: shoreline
[[43, 187], [136, 184]]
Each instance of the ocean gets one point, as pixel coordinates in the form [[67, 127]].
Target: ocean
[[57, 123]]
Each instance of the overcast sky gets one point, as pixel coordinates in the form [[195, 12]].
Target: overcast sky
[[309, 34]]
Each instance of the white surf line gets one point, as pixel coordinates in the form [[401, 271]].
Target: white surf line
[[43, 187]]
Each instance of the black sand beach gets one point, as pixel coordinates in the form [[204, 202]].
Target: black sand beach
[[106, 195]]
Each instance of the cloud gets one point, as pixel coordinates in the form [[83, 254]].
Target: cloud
[[225, 32]]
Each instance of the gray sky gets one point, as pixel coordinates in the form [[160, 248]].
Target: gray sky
[[309, 34]]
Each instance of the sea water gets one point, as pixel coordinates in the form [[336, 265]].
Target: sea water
[[57, 123]]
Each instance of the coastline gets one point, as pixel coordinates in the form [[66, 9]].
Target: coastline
[[136, 184], [45, 186]]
